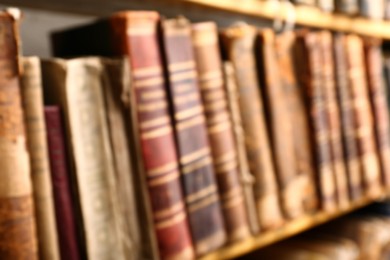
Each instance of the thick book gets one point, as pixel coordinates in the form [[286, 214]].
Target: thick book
[[191, 132], [280, 124], [284, 47], [32, 100], [333, 118], [308, 69], [350, 7], [357, 82], [17, 221], [136, 34], [62, 191], [377, 93], [239, 48], [220, 129], [77, 87], [347, 118], [372, 9]]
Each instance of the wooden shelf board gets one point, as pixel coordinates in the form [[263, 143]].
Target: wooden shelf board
[[292, 228]]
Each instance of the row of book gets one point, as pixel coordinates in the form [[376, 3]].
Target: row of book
[[193, 140]]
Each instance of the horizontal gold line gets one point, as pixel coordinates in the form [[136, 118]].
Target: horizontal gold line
[[232, 203], [203, 203], [217, 94], [193, 96], [185, 65], [155, 122], [157, 105], [219, 117], [148, 71], [231, 193], [211, 84], [194, 155], [164, 179], [211, 75], [196, 165], [149, 82], [168, 211], [172, 221], [224, 168], [226, 157], [163, 169], [183, 88], [198, 120], [156, 133], [192, 111], [201, 193], [153, 94], [216, 105], [184, 75], [219, 127]]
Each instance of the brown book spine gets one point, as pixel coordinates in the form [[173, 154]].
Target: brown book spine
[[32, 99], [363, 113], [239, 47], [348, 120], [308, 53], [220, 129], [199, 180], [377, 93], [17, 223], [350, 7], [296, 105], [333, 116], [280, 125], [246, 177]]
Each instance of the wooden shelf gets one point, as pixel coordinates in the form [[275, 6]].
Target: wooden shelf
[[292, 228]]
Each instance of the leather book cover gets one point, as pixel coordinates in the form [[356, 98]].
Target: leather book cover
[[61, 183], [364, 115], [32, 101], [135, 33], [347, 118], [17, 221], [191, 132], [246, 178], [308, 69], [280, 124], [372, 9], [284, 48], [333, 116], [349, 7], [220, 129], [239, 47], [377, 93]]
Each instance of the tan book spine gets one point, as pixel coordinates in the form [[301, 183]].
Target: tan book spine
[[32, 99]]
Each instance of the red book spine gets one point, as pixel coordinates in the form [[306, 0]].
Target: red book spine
[[65, 217]]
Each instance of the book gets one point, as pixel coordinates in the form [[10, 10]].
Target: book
[[135, 34], [17, 222], [246, 177], [372, 9], [280, 125], [284, 47], [308, 69], [77, 87], [350, 7], [377, 94], [333, 118], [32, 101], [364, 116], [238, 43], [189, 121], [220, 129], [326, 5], [66, 217], [348, 120], [304, 2]]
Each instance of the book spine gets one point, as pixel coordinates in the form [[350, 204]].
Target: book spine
[[333, 118], [32, 99], [326, 5], [196, 162], [284, 43], [239, 44], [305, 2], [372, 9], [363, 113], [220, 129], [246, 177], [17, 222], [348, 121], [278, 115], [377, 93], [157, 142], [350, 7], [59, 167], [310, 77]]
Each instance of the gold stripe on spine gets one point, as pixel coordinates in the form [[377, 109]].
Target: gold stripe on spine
[[153, 94], [219, 117], [211, 75], [231, 194], [196, 165], [215, 95], [219, 128], [194, 155], [146, 29], [156, 133], [209, 107], [203, 203], [184, 75], [164, 179], [225, 157], [152, 106], [163, 169], [233, 202], [148, 71], [189, 112], [149, 82], [183, 88], [179, 100], [226, 167], [212, 84], [171, 221], [186, 65], [155, 122], [164, 213], [201, 194], [198, 120]]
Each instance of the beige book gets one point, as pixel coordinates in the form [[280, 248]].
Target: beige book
[[32, 99], [76, 85]]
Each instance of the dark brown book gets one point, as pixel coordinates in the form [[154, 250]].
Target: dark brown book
[[377, 93], [333, 118], [220, 129], [62, 192], [239, 48], [308, 65], [350, 7], [280, 125], [364, 115], [348, 120], [284, 47], [195, 156], [17, 222], [135, 34]]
